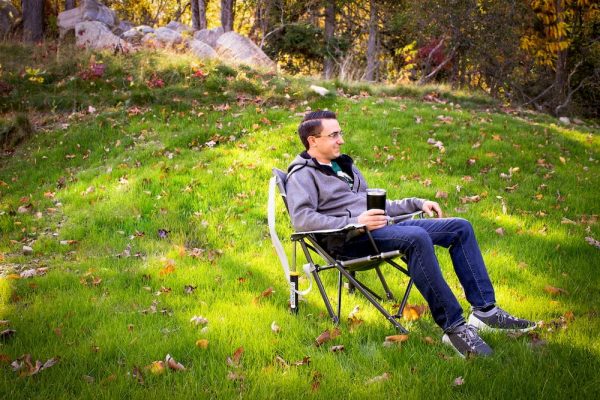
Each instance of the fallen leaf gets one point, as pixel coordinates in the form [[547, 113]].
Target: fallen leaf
[[380, 378], [199, 320], [189, 289], [413, 312], [169, 268], [554, 291], [174, 365], [234, 360], [458, 381], [7, 334], [304, 361], [429, 340], [441, 195], [234, 376], [157, 367], [396, 338], [336, 348], [327, 336], [266, 293], [470, 199], [593, 242], [202, 343], [275, 328], [500, 231]]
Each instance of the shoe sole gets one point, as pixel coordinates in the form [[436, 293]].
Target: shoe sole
[[482, 326]]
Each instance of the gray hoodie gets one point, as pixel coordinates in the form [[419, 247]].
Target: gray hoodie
[[318, 199]]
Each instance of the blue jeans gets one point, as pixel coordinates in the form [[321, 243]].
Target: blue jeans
[[416, 238]]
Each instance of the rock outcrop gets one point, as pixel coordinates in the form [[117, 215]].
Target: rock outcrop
[[96, 35], [89, 10], [237, 49]]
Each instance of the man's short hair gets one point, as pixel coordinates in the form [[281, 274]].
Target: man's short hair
[[311, 124]]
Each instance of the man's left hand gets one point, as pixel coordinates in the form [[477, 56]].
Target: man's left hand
[[431, 207]]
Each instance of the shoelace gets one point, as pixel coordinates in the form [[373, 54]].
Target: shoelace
[[503, 315], [469, 335]]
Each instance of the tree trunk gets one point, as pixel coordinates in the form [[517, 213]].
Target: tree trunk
[[33, 20], [328, 63], [372, 61], [69, 4], [195, 15], [227, 14], [560, 77]]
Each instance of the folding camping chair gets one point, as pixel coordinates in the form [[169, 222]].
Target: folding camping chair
[[312, 243]]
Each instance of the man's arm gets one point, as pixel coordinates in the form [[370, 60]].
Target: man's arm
[[404, 206], [302, 200]]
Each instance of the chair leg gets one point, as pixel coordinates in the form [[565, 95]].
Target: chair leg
[[404, 299], [350, 285], [388, 292], [339, 302], [372, 300]]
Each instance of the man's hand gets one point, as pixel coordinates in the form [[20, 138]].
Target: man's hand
[[431, 207], [373, 219]]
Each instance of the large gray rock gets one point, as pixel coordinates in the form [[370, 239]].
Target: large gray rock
[[238, 49], [202, 50], [96, 35], [209, 36], [132, 36], [8, 17], [145, 29], [88, 10], [179, 27], [168, 37]]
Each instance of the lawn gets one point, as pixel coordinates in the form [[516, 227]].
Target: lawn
[[142, 196]]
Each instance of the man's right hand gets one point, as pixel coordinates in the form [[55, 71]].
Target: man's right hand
[[373, 219]]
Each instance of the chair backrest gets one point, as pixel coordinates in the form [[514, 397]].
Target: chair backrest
[[281, 177]]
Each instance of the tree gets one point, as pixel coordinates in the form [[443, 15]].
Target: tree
[[372, 61], [328, 64], [227, 14], [199, 14], [33, 20]]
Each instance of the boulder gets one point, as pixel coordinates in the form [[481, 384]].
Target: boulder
[[237, 49], [168, 37], [132, 36], [88, 10], [209, 36], [96, 35], [122, 27], [202, 50], [9, 16], [145, 29], [179, 27]]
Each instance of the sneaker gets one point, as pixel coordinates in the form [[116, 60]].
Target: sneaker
[[499, 320], [465, 340]]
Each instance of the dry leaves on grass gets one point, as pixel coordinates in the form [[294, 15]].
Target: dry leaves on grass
[[275, 328], [554, 291], [266, 293], [413, 312], [281, 362], [199, 320], [394, 339], [235, 359], [30, 273], [25, 367], [327, 335], [380, 378], [458, 381]]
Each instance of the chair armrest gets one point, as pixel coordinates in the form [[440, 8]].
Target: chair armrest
[[405, 217], [347, 228]]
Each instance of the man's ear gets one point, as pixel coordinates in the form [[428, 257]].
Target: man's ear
[[311, 141]]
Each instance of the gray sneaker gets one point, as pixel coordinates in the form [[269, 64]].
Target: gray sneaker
[[500, 320], [465, 340]]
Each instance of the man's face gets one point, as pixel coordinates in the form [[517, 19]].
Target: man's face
[[327, 146]]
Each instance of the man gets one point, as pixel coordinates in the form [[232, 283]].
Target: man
[[326, 191]]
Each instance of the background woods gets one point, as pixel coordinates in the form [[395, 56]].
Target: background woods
[[540, 53]]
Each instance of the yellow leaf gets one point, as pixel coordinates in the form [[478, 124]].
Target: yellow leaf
[[202, 343], [396, 338]]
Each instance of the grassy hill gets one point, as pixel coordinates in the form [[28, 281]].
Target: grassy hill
[[141, 189]]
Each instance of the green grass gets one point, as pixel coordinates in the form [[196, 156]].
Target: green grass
[[111, 179]]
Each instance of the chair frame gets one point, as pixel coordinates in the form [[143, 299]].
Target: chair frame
[[347, 269]]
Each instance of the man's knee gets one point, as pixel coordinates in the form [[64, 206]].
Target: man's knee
[[463, 227]]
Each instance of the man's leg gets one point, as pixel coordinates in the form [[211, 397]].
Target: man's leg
[[458, 235], [423, 267]]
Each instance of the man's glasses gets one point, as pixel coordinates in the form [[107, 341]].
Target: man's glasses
[[333, 135]]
